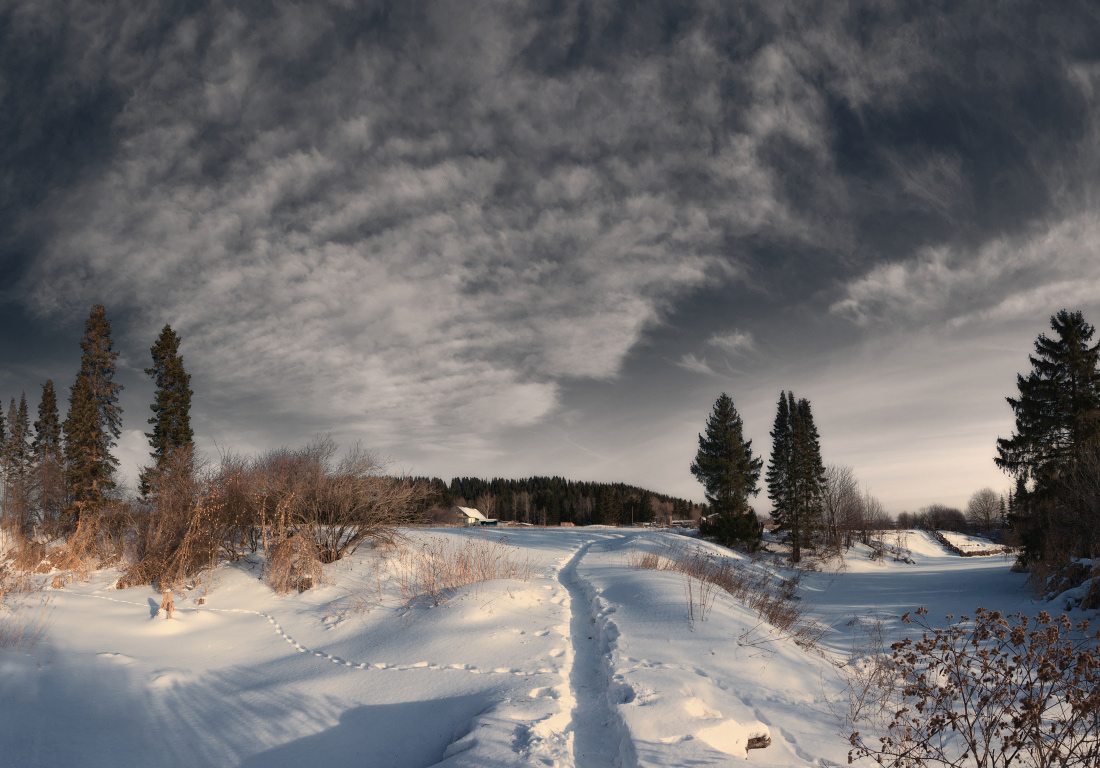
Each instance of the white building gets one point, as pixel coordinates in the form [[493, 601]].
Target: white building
[[471, 516]]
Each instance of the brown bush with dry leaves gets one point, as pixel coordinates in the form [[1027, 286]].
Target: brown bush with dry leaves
[[298, 505], [995, 692]]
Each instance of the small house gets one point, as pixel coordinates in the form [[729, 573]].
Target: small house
[[470, 516]]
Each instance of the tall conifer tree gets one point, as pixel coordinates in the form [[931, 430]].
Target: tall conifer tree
[[94, 420], [171, 405], [49, 490], [779, 488], [724, 464], [796, 473], [17, 459], [1058, 409], [1057, 421]]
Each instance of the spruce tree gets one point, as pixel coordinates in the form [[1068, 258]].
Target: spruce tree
[[6, 445], [779, 466], [811, 469], [608, 509], [171, 405], [47, 428], [724, 464], [796, 473], [17, 460], [1057, 420], [1058, 409], [49, 491], [94, 420]]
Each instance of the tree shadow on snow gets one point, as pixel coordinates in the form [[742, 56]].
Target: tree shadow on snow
[[413, 734]]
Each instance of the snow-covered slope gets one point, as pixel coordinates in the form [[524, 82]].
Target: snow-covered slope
[[589, 663], [970, 544]]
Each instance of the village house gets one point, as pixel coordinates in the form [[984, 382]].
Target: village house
[[470, 516]]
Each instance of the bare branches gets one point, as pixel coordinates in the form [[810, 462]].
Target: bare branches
[[300, 504], [1000, 691], [982, 510]]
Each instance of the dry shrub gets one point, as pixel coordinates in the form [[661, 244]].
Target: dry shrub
[[27, 556], [168, 605], [337, 503], [198, 516], [23, 623], [99, 540], [775, 601], [15, 582], [867, 674], [1050, 577], [24, 554], [75, 556], [428, 574], [178, 533], [992, 693], [292, 565]]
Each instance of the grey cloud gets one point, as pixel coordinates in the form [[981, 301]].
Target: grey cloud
[[414, 217], [734, 342], [1004, 279], [690, 362]]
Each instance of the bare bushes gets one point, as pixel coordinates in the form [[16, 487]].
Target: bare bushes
[[428, 573], [849, 514], [293, 566], [182, 527], [24, 621], [298, 505], [341, 503], [24, 555], [84, 549], [775, 600], [998, 692], [867, 674]]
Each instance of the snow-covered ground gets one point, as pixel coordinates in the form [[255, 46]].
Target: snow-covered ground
[[967, 543], [590, 662]]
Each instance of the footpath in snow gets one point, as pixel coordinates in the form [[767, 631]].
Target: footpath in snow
[[590, 662]]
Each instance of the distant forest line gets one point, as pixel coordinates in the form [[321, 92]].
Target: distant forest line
[[555, 500]]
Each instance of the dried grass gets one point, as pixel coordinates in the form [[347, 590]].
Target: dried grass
[[429, 573], [775, 600], [26, 555], [24, 621]]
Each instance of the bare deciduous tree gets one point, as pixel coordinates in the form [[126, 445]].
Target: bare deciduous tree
[[486, 505], [841, 503], [982, 511], [941, 517]]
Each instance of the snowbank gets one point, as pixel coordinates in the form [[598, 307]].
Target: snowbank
[[588, 662]]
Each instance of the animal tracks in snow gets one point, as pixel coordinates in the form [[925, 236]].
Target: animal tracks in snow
[[364, 665]]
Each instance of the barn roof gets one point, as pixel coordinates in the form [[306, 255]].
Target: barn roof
[[471, 512]]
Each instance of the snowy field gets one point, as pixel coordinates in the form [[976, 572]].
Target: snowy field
[[968, 544], [589, 662]]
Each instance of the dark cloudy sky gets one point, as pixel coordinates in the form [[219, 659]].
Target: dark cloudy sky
[[513, 238]]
